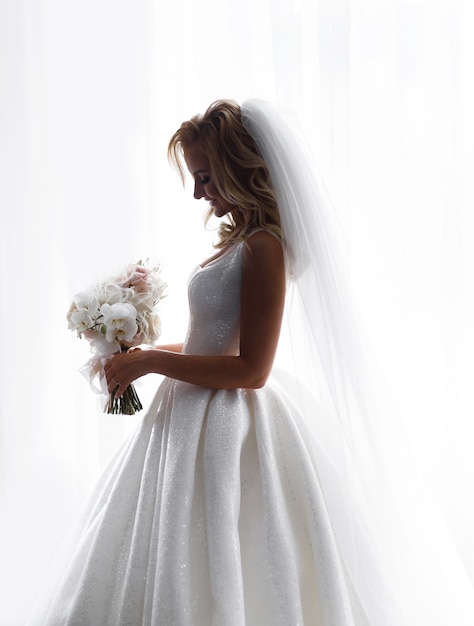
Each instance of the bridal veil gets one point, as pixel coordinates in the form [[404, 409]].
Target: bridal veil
[[399, 556]]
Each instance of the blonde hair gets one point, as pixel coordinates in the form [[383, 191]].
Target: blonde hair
[[237, 170]]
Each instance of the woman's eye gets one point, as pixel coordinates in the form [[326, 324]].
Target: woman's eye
[[204, 180]]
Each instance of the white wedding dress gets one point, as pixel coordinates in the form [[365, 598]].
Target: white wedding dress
[[211, 513]]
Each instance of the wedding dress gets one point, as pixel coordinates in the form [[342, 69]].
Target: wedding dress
[[211, 513]]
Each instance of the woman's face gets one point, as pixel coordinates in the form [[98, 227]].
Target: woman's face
[[199, 167]]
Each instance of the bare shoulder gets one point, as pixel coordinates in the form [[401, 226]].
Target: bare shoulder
[[263, 246], [263, 264]]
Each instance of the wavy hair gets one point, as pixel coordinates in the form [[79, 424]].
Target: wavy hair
[[238, 171]]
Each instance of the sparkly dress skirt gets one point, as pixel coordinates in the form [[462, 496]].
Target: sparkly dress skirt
[[211, 512]]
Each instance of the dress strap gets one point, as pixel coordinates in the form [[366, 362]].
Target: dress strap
[[265, 230]]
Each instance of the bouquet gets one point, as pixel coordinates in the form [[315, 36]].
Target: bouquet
[[115, 316]]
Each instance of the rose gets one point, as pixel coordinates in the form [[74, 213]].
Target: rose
[[154, 326], [137, 278]]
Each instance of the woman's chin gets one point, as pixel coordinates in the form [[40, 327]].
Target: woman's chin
[[220, 211]]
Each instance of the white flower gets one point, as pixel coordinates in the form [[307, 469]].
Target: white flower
[[154, 326], [80, 321], [119, 311], [100, 343], [158, 286], [109, 293], [120, 321], [87, 302]]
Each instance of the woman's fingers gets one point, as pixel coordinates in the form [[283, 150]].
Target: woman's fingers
[[120, 371], [112, 376]]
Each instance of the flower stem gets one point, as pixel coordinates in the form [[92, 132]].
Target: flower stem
[[128, 403]]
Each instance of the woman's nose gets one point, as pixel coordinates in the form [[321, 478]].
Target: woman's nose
[[198, 193]]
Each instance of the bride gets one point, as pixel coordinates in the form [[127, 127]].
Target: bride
[[225, 507]]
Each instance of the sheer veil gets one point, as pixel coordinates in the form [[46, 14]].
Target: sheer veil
[[398, 554]]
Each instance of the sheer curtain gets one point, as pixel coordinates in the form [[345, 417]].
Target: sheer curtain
[[90, 94]]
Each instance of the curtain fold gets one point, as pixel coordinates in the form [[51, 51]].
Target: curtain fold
[[91, 93]]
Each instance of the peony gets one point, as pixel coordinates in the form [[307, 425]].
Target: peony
[[120, 321]]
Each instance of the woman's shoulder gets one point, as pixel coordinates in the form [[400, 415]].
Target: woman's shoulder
[[263, 243], [261, 235]]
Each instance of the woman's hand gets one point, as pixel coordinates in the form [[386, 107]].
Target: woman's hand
[[122, 369]]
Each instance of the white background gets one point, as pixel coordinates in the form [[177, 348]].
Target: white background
[[90, 93]]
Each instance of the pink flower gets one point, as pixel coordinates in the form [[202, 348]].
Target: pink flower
[[137, 278]]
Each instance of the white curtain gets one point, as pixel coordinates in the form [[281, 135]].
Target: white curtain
[[90, 92]]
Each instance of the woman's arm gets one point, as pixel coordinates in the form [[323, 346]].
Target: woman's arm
[[262, 301], [174, 347]]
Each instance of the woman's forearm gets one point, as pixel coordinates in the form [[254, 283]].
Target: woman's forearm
[[215, 372], [172, 347]]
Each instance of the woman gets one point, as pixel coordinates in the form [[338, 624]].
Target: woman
[[233, 178], [212, 513], [232, 504]]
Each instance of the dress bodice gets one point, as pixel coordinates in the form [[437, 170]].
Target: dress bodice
[[214, 303]]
